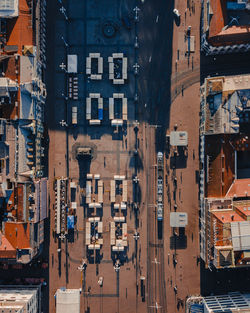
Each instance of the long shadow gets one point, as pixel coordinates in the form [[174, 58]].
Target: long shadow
[[156, 60], [223, 281], [223, 65]]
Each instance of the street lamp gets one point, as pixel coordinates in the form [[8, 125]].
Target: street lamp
[[63, 67], [83, 266], [136, 180], [62, 236], [63, 10], [63, 123], [136, 42], [117, 266], [66, 44], [136, 236], [136, 10], [136, 67]]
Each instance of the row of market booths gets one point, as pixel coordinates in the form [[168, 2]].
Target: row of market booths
[[94, 225]]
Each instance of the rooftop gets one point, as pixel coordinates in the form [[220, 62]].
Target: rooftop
[[226, 102], [229, 22], [6, 249], [228, 216], [18, 234], [245, 210], [233, 302], [240, 188], [219, 165], [9, 8], [19, 30]]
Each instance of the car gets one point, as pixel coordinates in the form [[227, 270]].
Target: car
[[176, 13]]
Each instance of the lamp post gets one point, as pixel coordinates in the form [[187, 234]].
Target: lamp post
[[63, 11], [64, 41]]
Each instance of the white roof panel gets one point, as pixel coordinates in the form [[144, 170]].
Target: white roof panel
[[178, 138], [178, 219], [72, 63], [68, 301], [240, 235]]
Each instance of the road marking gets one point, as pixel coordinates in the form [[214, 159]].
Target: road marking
[[157, 19]]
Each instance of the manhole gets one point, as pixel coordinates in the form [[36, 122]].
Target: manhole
[[109, 29]]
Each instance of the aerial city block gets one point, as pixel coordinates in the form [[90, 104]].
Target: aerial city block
[[124, 156]]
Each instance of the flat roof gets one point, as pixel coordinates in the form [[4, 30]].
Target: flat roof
[[178, 138], [68, 301], [233, 302], [240, 235], [9, 8], [178, 219]]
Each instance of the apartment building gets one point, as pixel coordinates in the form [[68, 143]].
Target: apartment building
[[21, 300], [225, 171], [23, 187]]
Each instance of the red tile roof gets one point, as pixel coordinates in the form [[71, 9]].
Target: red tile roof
[[18, 234], [245, 210], [20, 29], [7, 251], [239, 188], [221, 165], [230, 36], [228, 216], [218, 18]]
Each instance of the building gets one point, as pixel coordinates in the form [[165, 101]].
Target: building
[[23, 188], [67, 300], [232, 302], [225, 171], [20, 300], [225, 26]]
